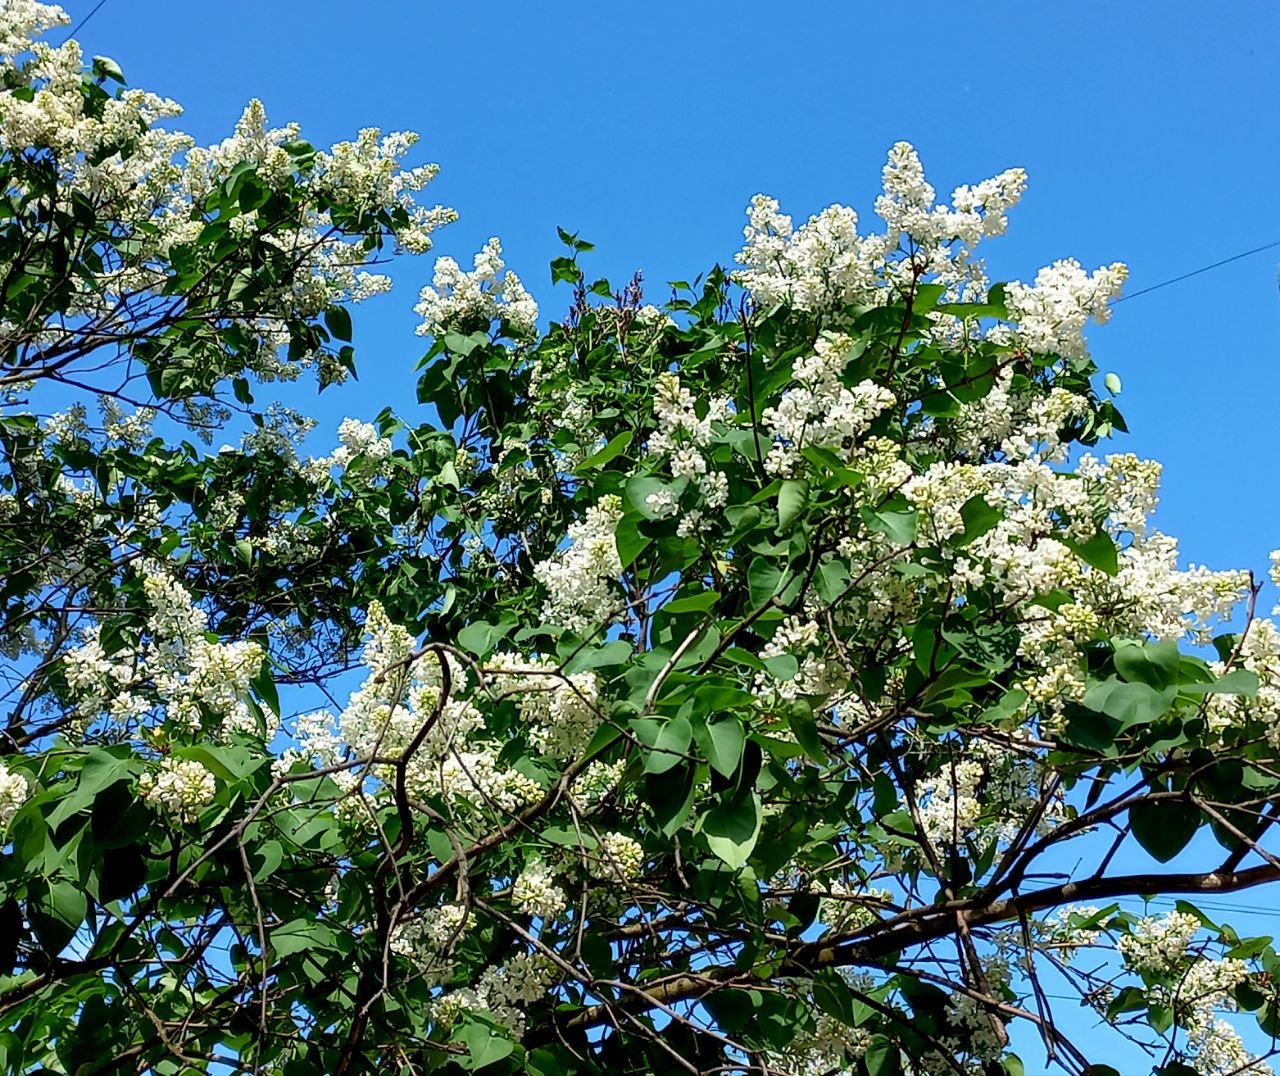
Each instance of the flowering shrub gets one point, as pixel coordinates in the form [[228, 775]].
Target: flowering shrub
[[759, 683]]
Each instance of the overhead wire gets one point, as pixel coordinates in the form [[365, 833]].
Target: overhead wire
[[80, 25], [1197, 272]]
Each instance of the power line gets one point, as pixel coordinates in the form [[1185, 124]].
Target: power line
[[1211, 905], [80, 25], [1196, 272]]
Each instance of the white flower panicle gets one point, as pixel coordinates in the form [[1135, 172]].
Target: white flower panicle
[[177, 671], [428, 940], [455, 758], [818, 411], [503, 992], [1050, 315], [822, 264], [535, 892], [563, 712], [682, 442], [21, 22], [358, 443], [455, 296], [846, 908], [596, 783], [825, 264], [1195, 988], [15, 788], [1158, 944], [180, 787], [151, 186], [984, 788], [831, 1047], [619, 858], [577, 579]]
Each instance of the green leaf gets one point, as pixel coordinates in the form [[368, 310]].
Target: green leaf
[[264, 686], [480, 637], [564, 270], [805, 730], [106, 68], [670, 796], [883, 1057], [832, 580], [979, 516], [792, 498], [616, 652], [485, 1044], [272, 853], [763, 577], [68, 903], [337, 320], [100, 771], [899, 526], [640, 488], [1154, 664], [1098, 552], [700, 602], [1130, 704], [732, 829], [671, 746], [567, 837], [723, 744], [615, 448], [227, 761], [299, 935], [782, 666], [630, 542], [1236, 682], [1164, 827], [464, 345]]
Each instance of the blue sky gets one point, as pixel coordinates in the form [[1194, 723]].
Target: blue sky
[[1149, 132]]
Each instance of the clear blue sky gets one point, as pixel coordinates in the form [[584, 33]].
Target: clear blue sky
[[1149, 132]]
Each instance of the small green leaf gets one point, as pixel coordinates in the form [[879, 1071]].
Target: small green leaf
[[647, 494], [732, 829], [763, 577], [671, 746], [1164, 827], [337, 320], [792, 498], [480, 637], [616, 447], [1098, 552], [485, 1045], [1153, 664], [724, 742]]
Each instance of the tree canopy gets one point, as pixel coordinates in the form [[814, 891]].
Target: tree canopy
[[778, 679]]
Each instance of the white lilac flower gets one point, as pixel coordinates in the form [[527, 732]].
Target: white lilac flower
[[180, 787], [15, 787]]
